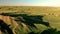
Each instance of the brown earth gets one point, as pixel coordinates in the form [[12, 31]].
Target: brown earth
[[9, 20]]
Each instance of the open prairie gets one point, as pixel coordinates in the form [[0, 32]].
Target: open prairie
[[29, 20]]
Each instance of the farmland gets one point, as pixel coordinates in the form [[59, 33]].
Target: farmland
[[31, 19]]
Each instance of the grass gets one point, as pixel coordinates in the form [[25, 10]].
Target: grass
[[50, 15]]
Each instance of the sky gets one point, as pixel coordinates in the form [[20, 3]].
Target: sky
[[29, 2]]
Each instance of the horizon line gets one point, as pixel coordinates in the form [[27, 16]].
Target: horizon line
[[30, 5]]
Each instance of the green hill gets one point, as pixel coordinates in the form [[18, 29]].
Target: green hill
[[29, 20]]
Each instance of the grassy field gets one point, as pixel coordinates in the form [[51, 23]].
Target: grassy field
[[31, 19]]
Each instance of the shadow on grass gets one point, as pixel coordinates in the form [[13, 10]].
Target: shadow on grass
[[28, 20], [48, 31], [5, 28], [51, 31], [31, 33], [31, 20]]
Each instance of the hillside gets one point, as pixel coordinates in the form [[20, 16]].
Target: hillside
[[29, 20]]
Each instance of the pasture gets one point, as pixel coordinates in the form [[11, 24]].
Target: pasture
[[31, 19]]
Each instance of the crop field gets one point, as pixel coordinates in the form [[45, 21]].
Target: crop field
[[29, 20]]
